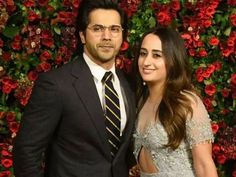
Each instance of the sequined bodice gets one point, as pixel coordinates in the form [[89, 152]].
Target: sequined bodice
[[169, 163], [172, 163]]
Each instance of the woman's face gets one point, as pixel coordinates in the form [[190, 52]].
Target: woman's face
[[151, 61]]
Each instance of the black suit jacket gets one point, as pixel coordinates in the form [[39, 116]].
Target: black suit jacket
[[64, 119]]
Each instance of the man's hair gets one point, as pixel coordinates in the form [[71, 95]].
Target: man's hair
[[87, 6]]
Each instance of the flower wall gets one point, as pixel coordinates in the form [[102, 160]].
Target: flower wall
[[38, 35]]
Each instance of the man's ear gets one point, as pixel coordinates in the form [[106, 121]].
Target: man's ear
[[82, 37]]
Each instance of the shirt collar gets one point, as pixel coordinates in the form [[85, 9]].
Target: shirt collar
[[96, 70]]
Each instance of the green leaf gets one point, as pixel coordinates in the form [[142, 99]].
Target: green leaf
[[54, 4], [57, 30], [207, 82], [11, 31], [227, 31], [214, 103], [152, 22]]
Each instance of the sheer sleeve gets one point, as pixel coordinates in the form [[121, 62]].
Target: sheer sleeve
[[198, 128]]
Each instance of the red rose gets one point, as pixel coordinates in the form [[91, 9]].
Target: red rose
[[214, 41], [43, 67], [226, 52], [66, 18], [124, 46], [5, 174], [207, 23], [208, 103], [14, 127], [233, 79], [222, 124], [230, 42], [215, 149], [6, 56], [231, 2], [232, 18], [175, 5], [202, 53], [206, 74], [154, 5], [210, 89], [8, 85], [75, 3], [221, 159], [50, 8], [29, 3], [32, 75], [217, 65], [225, 92], [32, 16], [199, 74], [46, 34], [11, 116], [48, 42], [186, 36], [210, 10], [43, 2], [211, 68], [163, 18], [45, 56], [16, 45], [192, 52], [7, 163], [66, 2], [6, 153], [234, 173], [215, 127]]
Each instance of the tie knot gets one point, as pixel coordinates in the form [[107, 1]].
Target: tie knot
[[107, 76]]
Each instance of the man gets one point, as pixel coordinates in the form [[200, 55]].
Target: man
[[64, 121]]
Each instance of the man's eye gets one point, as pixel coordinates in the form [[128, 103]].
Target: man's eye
[[97, 28], [115, 29]]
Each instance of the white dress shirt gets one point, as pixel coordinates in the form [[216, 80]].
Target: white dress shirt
[[98, 73]]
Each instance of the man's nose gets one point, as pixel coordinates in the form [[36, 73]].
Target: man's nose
[[106, 34]]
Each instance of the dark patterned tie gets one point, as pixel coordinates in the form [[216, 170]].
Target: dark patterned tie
[[112, 113]]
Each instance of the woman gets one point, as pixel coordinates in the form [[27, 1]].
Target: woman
[[173, 133]]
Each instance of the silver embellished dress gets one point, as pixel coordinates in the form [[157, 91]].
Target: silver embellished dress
[[179, 162]]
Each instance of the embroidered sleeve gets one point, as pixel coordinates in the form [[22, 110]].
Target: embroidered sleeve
[[198, 128]]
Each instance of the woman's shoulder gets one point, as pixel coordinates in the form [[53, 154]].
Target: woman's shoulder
[[197, 105]]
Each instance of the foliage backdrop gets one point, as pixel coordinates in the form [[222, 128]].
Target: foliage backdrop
[[38, 35]]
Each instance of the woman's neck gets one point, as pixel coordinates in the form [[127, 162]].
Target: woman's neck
[[155, 93]]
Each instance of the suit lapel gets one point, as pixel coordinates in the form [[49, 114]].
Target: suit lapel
[[86, 90]]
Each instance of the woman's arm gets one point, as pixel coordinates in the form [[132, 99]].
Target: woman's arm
[[202, 160]]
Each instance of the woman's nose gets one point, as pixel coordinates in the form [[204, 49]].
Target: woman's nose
[[147, 60]]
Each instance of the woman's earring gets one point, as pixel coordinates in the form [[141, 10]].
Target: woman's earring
[[144, 83]]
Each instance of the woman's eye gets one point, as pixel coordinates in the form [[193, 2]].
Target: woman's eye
[[142, 54], [156, 55]]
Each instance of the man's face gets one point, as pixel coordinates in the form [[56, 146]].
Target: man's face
[[101, 43]]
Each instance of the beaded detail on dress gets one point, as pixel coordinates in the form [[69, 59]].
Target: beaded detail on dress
[[172, 163]]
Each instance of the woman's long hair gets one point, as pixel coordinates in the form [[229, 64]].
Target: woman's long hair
[[175, 106]]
